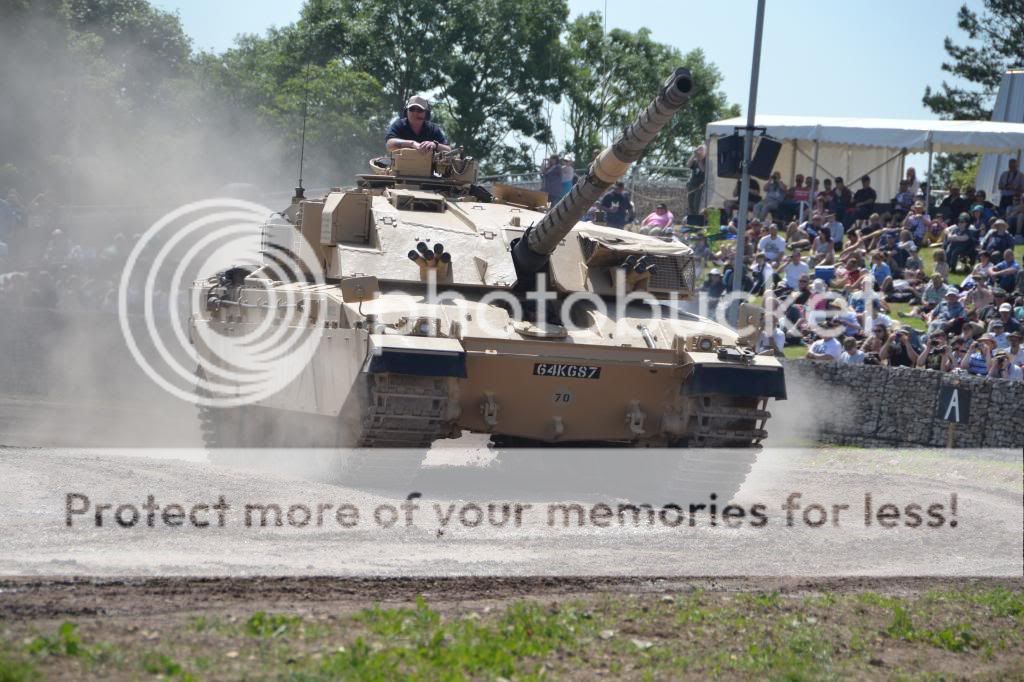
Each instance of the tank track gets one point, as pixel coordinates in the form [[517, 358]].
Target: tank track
[[721, 421], [404, 414], [404, 411], [391, 421]]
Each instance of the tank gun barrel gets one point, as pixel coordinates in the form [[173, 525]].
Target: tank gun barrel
[[531, 253]]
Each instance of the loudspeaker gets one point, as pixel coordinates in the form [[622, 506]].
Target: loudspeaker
[[763, 161], [730, 157]]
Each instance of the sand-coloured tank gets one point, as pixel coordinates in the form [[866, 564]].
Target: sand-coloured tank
[[400, 367]]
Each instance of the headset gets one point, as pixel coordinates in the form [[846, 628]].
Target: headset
[[405, 110]]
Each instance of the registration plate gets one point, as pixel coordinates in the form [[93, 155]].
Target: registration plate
[[563, 371]]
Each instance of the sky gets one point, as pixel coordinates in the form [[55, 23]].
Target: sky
[[833, 58]]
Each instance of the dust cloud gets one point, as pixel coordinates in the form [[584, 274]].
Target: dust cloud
[[87, 167]]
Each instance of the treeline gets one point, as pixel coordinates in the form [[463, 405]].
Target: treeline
[[106, 98]]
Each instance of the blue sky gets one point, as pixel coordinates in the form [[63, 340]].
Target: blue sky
[[832, 58]]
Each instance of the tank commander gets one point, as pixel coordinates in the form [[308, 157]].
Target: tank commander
[[414, 129]]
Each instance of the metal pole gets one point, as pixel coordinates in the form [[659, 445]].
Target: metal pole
[[928, 194], [748, 139], [814, 177]]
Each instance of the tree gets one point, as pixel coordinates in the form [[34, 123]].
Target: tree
[[490, 65], [613, 76], [998, 30]]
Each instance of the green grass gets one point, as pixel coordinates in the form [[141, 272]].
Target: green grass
[[762, 635], [424, 645], [12, 670]]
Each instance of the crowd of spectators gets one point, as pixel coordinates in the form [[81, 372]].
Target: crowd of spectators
[[845, 282], [43, 267]]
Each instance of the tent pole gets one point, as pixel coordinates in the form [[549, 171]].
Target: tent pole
[[748, 139], [928, 195], [704, 194], [814, 179]]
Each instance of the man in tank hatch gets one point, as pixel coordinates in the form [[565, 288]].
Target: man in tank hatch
[[414, 129]]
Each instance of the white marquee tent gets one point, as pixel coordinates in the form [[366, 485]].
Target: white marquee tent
[[1009, 106], [852, 147]]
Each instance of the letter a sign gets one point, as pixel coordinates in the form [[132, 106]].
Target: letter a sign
[[954, 405]]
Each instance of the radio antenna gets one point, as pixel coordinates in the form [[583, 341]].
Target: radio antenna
[[300, 191]]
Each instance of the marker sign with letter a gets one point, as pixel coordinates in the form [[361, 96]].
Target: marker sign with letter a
[[954, 405]]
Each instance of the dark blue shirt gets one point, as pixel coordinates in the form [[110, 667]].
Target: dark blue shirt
[[401, 129], [616, 206]]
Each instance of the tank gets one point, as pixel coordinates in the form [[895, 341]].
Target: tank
[[448, 308]]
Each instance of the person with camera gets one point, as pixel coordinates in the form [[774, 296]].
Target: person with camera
[[936, 354], [414, 129], [899, 351], [1002, 366], [979, 355]]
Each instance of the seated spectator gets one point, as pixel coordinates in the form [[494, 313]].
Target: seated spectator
[[904, 249], [772, 340], [661, 217], [823, 198], [873, 344], [792, 271], [991, 311], [852, 276], [1004, 274], [805, 232], [939, 266], [798, 195], [887, 239], [869, 230], [949, 316], [851, 355], [762, 275], [822, 249], [903, 200], [997, 240], [753, 195], [918, 222], [835, 228], [797, 238], [931, 296], [998, 331], [979, 296], [864, 200], [772, 245], [899, 351], [1016, 350], [774, 195], [826, 349], [979, 353], [841, 200], [1002, 366], [936, 231], [957, 352], [984, 266], [958, 242], [880, 271], [1009, 322], [953, 204], [936, 354]]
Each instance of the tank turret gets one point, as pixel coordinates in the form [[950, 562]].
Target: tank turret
[[429, 326], [532, 252]]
